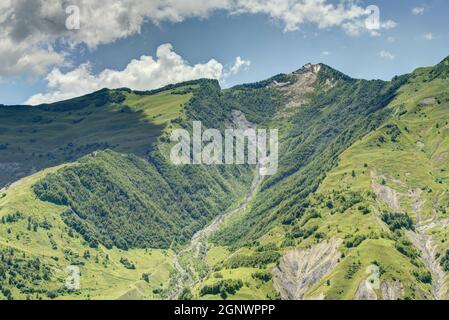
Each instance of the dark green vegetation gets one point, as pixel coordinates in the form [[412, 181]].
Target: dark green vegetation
[[445, 261], [117, 208], [257, 260], [396, 221], [222, 288], [319, 132], [26, 274], [124, 201]]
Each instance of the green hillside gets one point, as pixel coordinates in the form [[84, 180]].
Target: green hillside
[[357, 210], [393, 169], [39, 137]]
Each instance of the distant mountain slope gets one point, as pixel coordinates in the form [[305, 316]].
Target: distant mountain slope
[[33, 138]]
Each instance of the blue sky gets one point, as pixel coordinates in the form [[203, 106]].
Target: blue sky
[[419, 38]]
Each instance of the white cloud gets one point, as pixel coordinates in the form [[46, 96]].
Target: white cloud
[[18, 58], [386, 55], [357, 27], [325, 53], [418, 11], [140, 74], [239, 64], [429, 36], [30, 28]]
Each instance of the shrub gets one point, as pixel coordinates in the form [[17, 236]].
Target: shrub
[[396, 221], [223, 288], [264, 276]]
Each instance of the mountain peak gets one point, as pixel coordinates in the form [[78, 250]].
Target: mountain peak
[[309, 68]]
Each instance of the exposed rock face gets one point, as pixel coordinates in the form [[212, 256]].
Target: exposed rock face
[[300, 269], [385, 193], [428, 255], [303, 83], [424, 242], [365, 291], [239, 121], [392, 290], [427, 101]]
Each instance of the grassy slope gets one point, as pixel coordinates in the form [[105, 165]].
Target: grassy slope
[[107, 278], [129, 126], [34, 138], [415, 161], [197, 186]]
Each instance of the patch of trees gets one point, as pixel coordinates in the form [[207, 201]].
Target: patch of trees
[[407, 248], [12, 217], [263, 276], [304, 233], [353, 268], [127, 263], [423, 276], [22, 272], [355, 241], [222, 288], [256, 260], [393, 132], [397, 221], [124, 201], [445, 261]]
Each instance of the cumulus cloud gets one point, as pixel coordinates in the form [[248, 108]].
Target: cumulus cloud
[[429, 36], [31, 28], [418, 11], [140, 74], [386, 55], [239, 64]]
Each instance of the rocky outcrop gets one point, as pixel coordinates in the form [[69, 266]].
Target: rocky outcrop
[[392, 290], [428, 250], [365, 291], [300, 269]]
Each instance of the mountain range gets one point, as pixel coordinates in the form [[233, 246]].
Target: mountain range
[[357, 210]]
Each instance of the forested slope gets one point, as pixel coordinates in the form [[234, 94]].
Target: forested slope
[[361, 192]]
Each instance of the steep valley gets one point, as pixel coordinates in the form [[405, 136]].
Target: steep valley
[[357, 210]]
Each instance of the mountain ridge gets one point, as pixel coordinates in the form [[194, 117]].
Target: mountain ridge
[[109, 205]]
